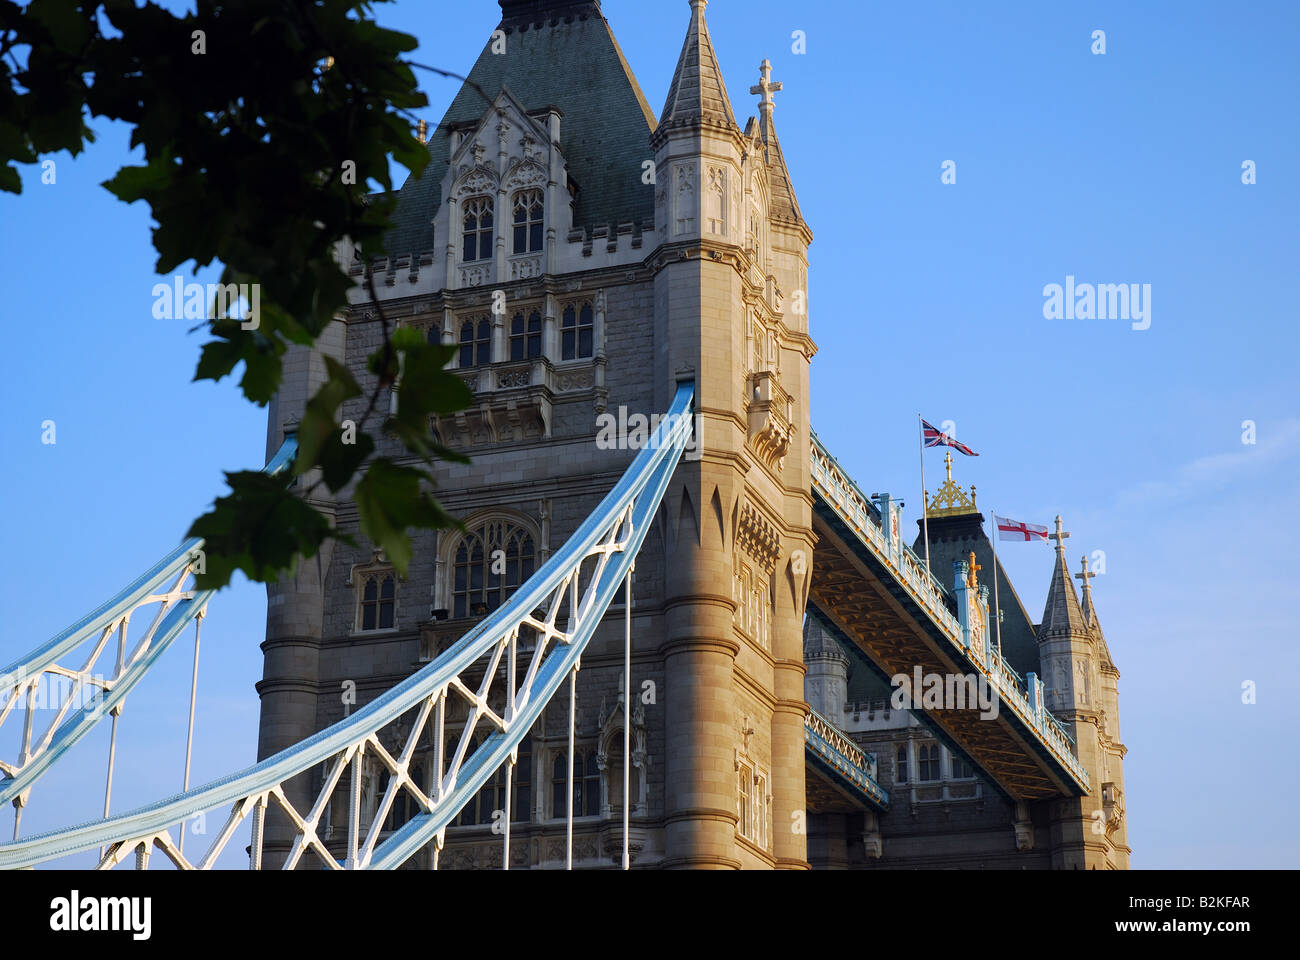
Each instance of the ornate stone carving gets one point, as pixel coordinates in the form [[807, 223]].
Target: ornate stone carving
[[516, 377], [478, 181], [579, 380], [476, 276], [513, 403], [525, 268], [758, 538], [525, 173], [771, 412]]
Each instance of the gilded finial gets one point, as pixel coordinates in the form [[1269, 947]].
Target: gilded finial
[[950, 500], [972, 580]]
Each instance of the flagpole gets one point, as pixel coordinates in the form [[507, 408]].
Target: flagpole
[[925, 513], [997, 609]]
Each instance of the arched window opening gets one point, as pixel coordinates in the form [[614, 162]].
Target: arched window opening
[[489, 565], [528, 208], [477, 229], [586, 784], [577, 333], [475, 343], [526, 336], [378, 602]]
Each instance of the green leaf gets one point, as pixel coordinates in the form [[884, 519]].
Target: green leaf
[[390, 499]]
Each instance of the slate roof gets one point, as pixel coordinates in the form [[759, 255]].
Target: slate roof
[[560, 55], [818, 642]]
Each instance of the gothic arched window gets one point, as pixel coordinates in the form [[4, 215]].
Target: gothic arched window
[[900, 760], [477, 229], [475, 343], [529, 207], [577, 332], [526, 336], [586, 783], [928, 762], [378, 602], [489, 563]]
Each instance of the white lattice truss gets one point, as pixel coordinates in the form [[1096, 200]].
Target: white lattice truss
[[69, 692], [68, 676], [504, 671]]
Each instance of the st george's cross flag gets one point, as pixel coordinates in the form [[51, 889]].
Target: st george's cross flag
[[934, 437], [1023, 532]]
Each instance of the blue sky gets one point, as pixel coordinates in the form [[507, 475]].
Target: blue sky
[[1122, 168]]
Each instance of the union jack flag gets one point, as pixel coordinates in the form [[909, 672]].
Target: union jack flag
[[935, 437]]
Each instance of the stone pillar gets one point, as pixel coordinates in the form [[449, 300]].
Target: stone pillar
[[699, 654], [789, 799]]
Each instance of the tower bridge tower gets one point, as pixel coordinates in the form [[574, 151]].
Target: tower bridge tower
[[621, 278]]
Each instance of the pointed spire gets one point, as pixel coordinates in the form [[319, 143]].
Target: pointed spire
[[1062, 616], [1090, 611], [819, 644], [698, 94], [1085, 576], [783, 203]]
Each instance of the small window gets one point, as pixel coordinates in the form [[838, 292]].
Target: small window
[[378, 602], [751, 803], [900, 764], [529, 208], [961, 769], [928, 762], [475, 343], [477, 229], [577, 333], [526, 336], [586, 784]]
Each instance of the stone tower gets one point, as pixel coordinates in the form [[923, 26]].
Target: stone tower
[[1112, 750], [1085, 831], [730, 282], [633, 253]]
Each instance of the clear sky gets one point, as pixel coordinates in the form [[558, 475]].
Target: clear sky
[[1119, 168]]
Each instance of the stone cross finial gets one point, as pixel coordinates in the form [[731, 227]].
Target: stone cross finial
[[1060, 536], [766, 87], [1086, 575]]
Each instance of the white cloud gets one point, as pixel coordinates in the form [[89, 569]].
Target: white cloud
[[1210, 473]]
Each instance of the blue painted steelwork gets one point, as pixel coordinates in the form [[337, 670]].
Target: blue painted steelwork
[[157, 579], [630, 505], [831, 754]]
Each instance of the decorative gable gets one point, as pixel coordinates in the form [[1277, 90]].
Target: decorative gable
[[505, 172]]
